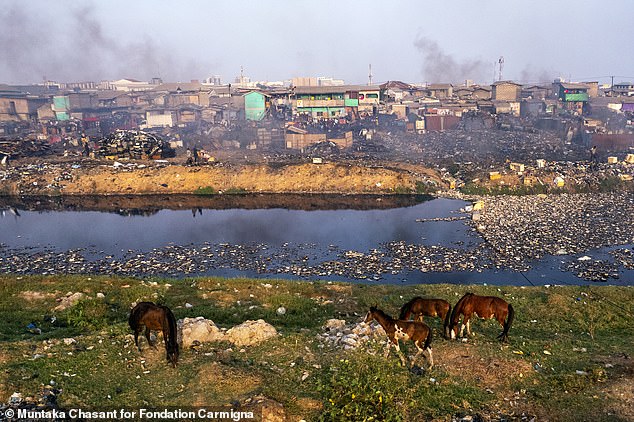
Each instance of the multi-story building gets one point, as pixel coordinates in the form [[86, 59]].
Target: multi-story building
[[332, 102]]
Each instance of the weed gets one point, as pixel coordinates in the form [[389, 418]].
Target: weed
[[402, 190], [206, 190], [89, 314]]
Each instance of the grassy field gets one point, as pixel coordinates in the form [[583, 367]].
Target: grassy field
[[569, 355]]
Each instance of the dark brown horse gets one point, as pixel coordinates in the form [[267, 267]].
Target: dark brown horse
[[416, 331], [484, 307], [157, 318], [419, 307]]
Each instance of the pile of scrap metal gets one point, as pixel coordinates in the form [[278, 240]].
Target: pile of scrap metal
[[134, 144], [17, 148]]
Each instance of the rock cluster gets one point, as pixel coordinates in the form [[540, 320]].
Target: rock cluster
[[193, 331], [350, 336]]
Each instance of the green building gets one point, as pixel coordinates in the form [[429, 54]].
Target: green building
[[254, 106]]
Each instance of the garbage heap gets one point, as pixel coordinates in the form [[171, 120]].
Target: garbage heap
[[16, 148], [134, 144]]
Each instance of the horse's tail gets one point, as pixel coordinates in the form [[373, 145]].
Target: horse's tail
[[508, 322], [170, 333], [132, 319], [428, 339], [171, 327], [447, 321]]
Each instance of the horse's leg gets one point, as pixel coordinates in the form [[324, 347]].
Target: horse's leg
[[420, 350], [431, 358], [465, 321], [500, 318], [400, 354], [469, 328], [147, 336], [420, 317], [387, 348], [136, 338]]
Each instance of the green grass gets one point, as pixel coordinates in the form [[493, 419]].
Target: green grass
[[554, 366], [205, 190]]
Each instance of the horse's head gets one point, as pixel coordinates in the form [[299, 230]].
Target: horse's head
[[172, 355], [370, 315]]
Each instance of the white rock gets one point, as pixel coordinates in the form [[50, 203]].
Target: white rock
[[69, 300], [251, 332], [335, 324], [198, 329]]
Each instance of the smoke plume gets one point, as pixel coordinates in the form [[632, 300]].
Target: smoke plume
[[79, 48], [441, 67]]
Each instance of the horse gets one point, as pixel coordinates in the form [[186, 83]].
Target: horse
[[158, 318], [484, 307], [420, 307], [416, 331]]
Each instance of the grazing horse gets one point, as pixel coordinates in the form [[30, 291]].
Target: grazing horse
[[420, 307], [484, 307], [158, 318], [416, 331]]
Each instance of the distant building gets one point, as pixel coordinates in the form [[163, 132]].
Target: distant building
[[440, 91], [17, 106], [304, 81], [324, 102], [623, 88], [505, 91], [254, 106], [130, 85]]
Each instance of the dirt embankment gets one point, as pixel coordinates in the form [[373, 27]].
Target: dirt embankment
[[176, 179]]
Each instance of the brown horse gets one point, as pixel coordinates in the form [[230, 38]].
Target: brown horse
[[158, 318], [484, 307], [416, 331], [420, 307]]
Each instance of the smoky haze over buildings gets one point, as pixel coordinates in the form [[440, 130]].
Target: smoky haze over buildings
[[277, 40], [439, 66]]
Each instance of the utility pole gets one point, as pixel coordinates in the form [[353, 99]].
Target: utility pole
[[370, 74]]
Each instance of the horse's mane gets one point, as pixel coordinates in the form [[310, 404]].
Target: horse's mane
[[381, 314], [455, 314], [405, 308]]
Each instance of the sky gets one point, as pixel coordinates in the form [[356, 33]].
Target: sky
[[275, 40]]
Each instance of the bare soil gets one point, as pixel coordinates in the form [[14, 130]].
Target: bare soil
[[106, 179]]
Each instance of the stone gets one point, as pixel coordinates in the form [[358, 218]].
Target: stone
[[251, 332], [198, 329], [69, 300], [334, 324]]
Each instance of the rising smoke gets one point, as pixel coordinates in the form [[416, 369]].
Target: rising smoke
[[439, 66], [79, 48]]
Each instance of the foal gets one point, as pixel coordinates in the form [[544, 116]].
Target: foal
[[484, 307], [416, 331], [155, 317], [420, 307]]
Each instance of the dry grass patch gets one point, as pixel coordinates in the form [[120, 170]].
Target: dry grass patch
[[217, 384], [464, 361]]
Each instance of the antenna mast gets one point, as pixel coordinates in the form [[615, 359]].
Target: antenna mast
[[370, 74], [501, 63]]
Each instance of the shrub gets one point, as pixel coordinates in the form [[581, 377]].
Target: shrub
[[90, 314], [207, 190]]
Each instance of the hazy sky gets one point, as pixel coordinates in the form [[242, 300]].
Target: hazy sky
[[412, 41]]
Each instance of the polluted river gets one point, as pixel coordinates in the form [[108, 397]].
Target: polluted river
[[531, 240]]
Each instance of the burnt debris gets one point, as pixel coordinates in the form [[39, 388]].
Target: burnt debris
[[134, 144]]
